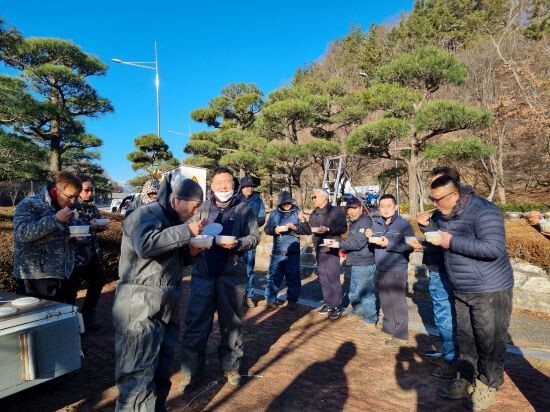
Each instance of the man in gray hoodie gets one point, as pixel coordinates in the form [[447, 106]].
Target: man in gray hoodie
[[154, 251]]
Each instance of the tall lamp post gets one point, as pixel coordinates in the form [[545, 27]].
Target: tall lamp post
[[151, 66]]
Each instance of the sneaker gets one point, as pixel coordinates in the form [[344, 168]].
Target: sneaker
[[433, 354], [482, 397], [445, 371], [249, 303], [188, 383], [395, 342], [458, 389], [292, 304], [233, 377], [324, 309], [334, 313]]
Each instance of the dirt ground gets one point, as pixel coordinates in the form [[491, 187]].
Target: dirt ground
[[300, 361]]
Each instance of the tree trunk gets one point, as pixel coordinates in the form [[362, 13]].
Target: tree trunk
[[55, 155], [414, 193]]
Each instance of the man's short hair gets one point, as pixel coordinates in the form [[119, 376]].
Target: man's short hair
[[322, 192], [388, 196], [444, 181], [446, 171], [219, 171], [65, 178], [86, 178]]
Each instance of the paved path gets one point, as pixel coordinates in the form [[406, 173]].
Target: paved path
[[301, 361]]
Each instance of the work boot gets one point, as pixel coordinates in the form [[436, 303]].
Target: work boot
[[458, 389], [439, 361], [188, 383], [249, 303], [233, 377], [444, 370], [482, 397]]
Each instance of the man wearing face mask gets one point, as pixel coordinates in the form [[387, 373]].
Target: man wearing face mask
[[154, 251], [218, 283], [43, 256]]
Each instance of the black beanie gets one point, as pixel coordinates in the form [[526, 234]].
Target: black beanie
[[187, 189]]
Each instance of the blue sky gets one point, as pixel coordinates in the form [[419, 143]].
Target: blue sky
[[202, 46]]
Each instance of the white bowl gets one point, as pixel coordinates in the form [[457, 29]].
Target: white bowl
[[79, 230], [202, 241], [221, 240], [100, 222], [544, 225], [282, 228], [317, 229], [432, 236], [410, 239], [375, 239]]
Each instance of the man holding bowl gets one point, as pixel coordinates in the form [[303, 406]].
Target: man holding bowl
[[154, 252], [218, 283], [471, 233], [43, 256]]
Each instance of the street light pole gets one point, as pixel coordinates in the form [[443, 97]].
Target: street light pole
[[151, 66]]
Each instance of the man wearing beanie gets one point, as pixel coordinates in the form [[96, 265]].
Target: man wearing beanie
[[255, 203], [218, 283], [155, 249], [285, 224]]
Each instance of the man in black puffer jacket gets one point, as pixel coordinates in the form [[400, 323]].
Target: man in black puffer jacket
[[471, 233]]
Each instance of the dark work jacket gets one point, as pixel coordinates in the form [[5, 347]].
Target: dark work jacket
[[257, 205], [394, 257], [477, 260], [360, 253], [329, 216], [287, 243]]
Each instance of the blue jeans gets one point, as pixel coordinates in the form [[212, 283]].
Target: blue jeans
[[287, 266], [441, 290], [362, 292], [250, 259]]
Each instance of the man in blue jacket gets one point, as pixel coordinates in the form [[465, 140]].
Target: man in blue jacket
[[471, 233], [360, 256], [391, 255], [254, 202], [286, 223]]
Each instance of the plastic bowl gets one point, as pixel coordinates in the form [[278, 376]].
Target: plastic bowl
[[222, 240], [514, 215], [431, 236], [410, 239], [544, 225], [101, 222], [375, 239], [202, 241], [79, 230], [282, 228]]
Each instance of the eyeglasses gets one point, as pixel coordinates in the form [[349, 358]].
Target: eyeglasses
[[86, 190], [436, 200], [74, 197]]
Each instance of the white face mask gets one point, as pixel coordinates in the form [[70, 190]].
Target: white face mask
[[224, 196]]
